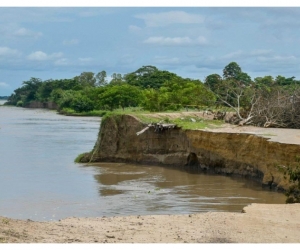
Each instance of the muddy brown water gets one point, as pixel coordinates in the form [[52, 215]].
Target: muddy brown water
[[40, 181]]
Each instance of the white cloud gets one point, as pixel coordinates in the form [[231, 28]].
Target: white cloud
[[27, 33], [176, 41], [71, 42], [38, 56], [259, 52], [233, 55], [5, 51], [171, 17], [286, 59], [134, 28], [62, 62], [264, 59], [42, 56], [85, 59], [3, 85]]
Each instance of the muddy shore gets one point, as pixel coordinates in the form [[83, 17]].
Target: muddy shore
[[257, 223]]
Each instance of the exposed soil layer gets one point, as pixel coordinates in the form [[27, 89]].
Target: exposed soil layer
[[251, 152]]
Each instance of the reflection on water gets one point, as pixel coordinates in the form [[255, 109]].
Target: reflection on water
[[40, 181]]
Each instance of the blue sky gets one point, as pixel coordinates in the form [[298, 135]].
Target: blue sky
[[192, 42]]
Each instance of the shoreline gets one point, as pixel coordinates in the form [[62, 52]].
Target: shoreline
[[258, 223]]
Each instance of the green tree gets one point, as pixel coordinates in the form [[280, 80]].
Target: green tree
[[81, 103], [123, 95], [86, 79], [283, 81], [232, 70], [116, 78], [149, 77], [66, 98], [244, 78], [56, 95], [212, 81], [236, 91], [101, 78], [152, 100], [263, 82], [26, 93], [178, 93]]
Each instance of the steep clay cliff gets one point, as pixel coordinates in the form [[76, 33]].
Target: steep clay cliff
[[219, 152]]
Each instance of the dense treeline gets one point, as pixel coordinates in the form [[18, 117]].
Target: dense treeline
[[147, 87], [263, 101]]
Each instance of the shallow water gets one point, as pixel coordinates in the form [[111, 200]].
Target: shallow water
[[40, 181]]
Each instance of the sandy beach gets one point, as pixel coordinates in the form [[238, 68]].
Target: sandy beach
[[257, 223]]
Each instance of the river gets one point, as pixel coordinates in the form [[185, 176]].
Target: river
[[40, 181]]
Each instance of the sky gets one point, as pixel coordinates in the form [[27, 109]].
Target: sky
[[194, 42]]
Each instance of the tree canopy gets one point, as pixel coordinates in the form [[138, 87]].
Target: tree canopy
[[264, 101]]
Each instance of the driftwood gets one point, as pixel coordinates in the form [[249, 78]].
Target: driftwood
[[158, 127], [143, 130]]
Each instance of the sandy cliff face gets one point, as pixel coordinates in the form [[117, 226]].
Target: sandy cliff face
[[225, 153]]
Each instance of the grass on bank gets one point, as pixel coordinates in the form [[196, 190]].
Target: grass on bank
[[185, 121], [79, 157]]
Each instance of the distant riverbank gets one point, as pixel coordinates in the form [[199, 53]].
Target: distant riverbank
[[2, 101]]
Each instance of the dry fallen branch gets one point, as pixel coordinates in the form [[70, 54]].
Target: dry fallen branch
[[158, 127]]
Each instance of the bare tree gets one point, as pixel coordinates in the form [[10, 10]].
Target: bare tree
[[238, 96], [278, 108]]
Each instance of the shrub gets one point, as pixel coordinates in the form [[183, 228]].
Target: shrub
[[19, 104]]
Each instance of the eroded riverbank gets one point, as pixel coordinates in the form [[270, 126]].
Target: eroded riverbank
[[245, 153]]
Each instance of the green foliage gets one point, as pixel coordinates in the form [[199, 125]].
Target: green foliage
[[26, 93], [56, 95], [101, 78], [66, 99], [196, 123], [212, 81], [282, 81], [150, 88], [79, 158], [292, 173], [86, 79], [72, 112], [152, 100], [293, 192], [264, 82], [19, 104], [176, 94], [232, 70], [149, 77], [123, 95], [116, 79], [75, 100], [185, 122], [82, 104]]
